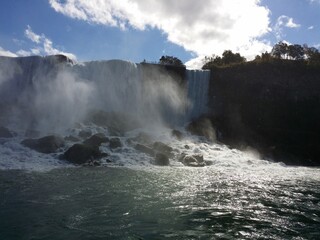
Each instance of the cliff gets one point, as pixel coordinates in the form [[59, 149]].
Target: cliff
[[272, 106]]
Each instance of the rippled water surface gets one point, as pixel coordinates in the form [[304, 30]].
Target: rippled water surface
[[161, 203]]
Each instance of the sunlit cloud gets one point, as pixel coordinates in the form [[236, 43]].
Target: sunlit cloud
[[7, 53], [284, 22], [42, 46], [203, 27], [31, 35]]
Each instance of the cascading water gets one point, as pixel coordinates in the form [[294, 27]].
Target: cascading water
[[198, 86]]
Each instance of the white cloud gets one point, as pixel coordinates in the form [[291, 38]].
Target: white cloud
[[7, 53], [31, 35], [44, 46], [311, 28], [203, 26], [23, 53], [282, 22]]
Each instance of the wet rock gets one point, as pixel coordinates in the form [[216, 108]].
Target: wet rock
[[161, 159], [93, 163], [145, 149], [5, 133], [81, 153], [96, 140], [115, 143], [48, 144], [85, 133], [186, 146], [177, 134], [192, 160], [202, 127], [163, 148]]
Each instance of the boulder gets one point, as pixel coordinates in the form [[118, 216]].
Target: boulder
[[96, 140], [161, 159], [177, 134], [81, 153], [48, 144], [145, 149], [5, 133], [195, 160], [163, 148], [115, 143]]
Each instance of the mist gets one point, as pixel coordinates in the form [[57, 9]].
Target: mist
[[48, 96]]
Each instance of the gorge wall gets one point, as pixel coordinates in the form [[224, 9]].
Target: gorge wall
[[273, 107]]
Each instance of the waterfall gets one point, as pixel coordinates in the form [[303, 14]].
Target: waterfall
[[198, 86], [50, 95]]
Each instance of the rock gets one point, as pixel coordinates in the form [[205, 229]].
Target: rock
[[48, 144], [145, 149], [81, 153], [161, 159], [72, 139], [202, 127], [163, 148], [193, 160], [115, 143], [5, 133], [92, 163], [85, 133], [186, 146], [177, 134], [96, 140]]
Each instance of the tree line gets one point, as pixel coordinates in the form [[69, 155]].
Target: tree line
[[281, 50]]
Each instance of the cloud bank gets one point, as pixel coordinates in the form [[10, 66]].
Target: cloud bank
[[203, 27]]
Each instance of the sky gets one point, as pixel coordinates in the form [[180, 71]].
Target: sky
[[138, 30]]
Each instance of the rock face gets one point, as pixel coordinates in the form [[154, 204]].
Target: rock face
[[48, 144], [96, 140], [5, 133], [202, 127], [161, 159], [80, 154]]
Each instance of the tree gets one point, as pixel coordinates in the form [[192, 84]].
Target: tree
[[280, 50], [170, 60], [296, 52], [228, 58]]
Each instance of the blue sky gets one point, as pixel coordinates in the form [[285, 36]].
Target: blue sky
[[135, 30]]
